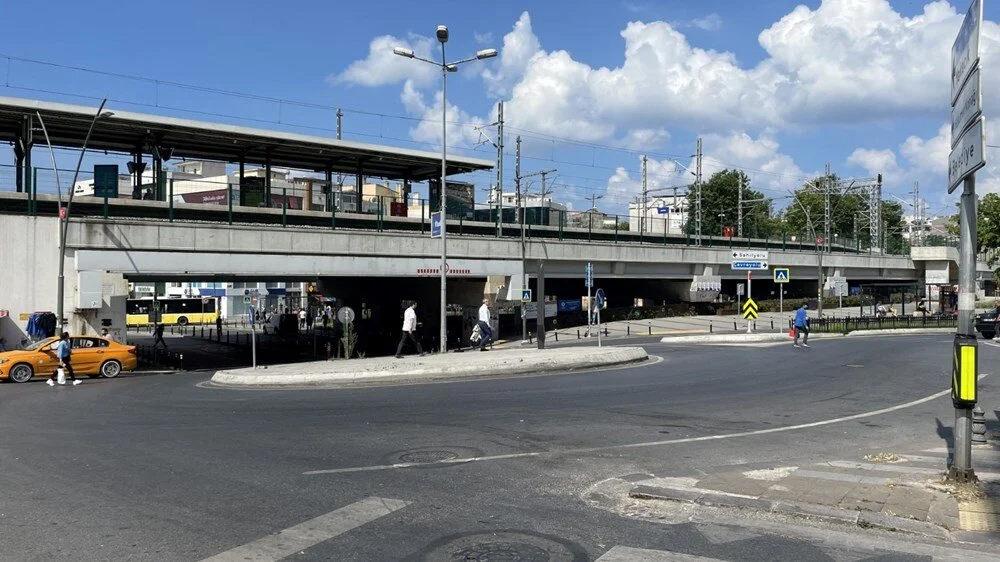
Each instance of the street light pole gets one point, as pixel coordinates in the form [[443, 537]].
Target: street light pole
[[64, 211], [443, 38], [446, 67]]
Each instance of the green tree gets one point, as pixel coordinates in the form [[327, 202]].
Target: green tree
[[719, 203]]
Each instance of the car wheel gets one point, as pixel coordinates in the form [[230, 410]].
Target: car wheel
[[111, 369], [182, 321], [21, 373], [988, 335]]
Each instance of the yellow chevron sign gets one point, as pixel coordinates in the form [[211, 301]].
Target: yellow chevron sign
[[750, 309]]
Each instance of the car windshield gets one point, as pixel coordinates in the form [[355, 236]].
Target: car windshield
[[38, 345]]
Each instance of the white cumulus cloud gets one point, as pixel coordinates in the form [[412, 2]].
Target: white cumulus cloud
[[382, 66]]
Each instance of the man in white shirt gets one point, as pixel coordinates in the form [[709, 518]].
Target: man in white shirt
[[485, 328], [409, 326]]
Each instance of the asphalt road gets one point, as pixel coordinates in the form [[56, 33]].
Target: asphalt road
[[156, 467]]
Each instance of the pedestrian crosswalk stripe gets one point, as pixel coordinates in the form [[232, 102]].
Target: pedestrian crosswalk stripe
[[308, 533], [629, 554]]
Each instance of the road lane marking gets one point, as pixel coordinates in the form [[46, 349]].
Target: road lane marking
[[629, 554], [309, 533], [585, 450]]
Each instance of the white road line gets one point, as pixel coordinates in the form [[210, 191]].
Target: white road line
[[629, 554], [314, 531], [584, 450]]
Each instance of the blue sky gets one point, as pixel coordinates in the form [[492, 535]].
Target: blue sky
[[777, 88]]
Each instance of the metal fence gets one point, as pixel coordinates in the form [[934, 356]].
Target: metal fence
[[853, 323], [298, 203]]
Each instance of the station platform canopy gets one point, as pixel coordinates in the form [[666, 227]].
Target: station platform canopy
[[130, 132]]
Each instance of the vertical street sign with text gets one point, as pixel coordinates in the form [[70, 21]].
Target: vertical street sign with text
[[968, 142], [436, 224], [589, 272]]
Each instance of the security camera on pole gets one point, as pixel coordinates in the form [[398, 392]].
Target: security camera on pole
[[967, 156]]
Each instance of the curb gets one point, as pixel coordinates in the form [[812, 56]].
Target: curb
[[711, 498], [510, 364], [783, 337]]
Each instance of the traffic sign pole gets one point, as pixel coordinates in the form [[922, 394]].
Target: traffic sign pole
[[749, 297]]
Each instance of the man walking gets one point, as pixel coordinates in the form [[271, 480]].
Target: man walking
[[802, 325], [484, 325], [64, 351], [158, 336], [409, 326]]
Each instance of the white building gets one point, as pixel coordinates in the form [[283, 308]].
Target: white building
[[663, 212]]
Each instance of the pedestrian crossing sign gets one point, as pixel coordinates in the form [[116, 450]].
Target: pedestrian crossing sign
[[750, 309], [781, 275]]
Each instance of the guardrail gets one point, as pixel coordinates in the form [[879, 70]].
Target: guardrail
[[854, 323], [379, 213]]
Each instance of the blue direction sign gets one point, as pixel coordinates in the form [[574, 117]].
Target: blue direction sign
[[436, 224], [781, 275], [748, 265], [589, 272]]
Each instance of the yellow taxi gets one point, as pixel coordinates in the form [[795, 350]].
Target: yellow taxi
[[91, 355]]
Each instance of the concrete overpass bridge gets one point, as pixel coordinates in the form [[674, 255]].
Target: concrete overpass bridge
[[384, 259]]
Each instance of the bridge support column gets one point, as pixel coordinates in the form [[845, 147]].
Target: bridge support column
[[27, 142], [267, 181], [18, 164], [137, 169], [330, 201], [360, 182], [158, 191]]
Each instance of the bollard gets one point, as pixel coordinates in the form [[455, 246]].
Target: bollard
[[577, 333], [710, 329], [772, 324], [734, 325], [180, 361], [605, 332], [978, 425], [650, 329], [557, 336], [628, 329]]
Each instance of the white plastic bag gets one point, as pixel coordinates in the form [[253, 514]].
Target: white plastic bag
[[61, 375]]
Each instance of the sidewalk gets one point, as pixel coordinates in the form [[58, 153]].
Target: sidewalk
[[898, 492], [435, 367]]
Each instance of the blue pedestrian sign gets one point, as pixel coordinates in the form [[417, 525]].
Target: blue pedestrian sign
[[436, 224], [526, 295], [589, 272], [781, 275]]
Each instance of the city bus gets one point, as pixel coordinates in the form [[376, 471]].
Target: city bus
[[179, 311]]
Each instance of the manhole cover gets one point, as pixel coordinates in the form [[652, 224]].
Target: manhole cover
[[429, 455], [432, 455], [504, 546]]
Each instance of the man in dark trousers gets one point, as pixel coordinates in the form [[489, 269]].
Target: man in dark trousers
[[64, 351], [409, 326], [158, 336]]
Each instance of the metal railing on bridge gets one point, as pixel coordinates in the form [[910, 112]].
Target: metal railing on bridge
[[301, 204]]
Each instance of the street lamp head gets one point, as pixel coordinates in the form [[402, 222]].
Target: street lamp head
[[442, 33], [403, 52], [106, 114], [486, 54], [452, 68]]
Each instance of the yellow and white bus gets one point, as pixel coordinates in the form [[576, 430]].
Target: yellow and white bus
[[179, 311]]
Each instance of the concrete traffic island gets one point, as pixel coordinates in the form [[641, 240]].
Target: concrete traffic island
[[430, 368]]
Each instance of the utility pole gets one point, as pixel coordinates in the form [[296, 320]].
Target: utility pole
[[697, 187], [544, 192], [739, 206], [499, 145], [827, 187], [645, 193], [918, 218], [520, 218], [340, 123]]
